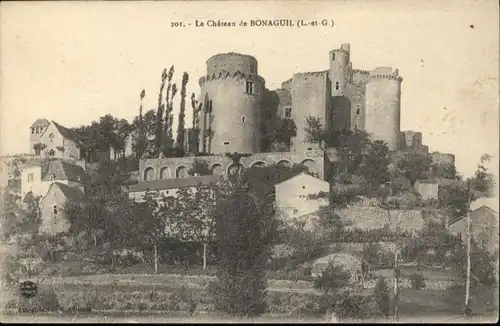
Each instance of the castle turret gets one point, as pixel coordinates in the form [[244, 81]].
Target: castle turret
[[383, 106], [231, 92], [339, 69]]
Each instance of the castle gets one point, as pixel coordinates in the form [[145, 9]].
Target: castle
[[235, 107]]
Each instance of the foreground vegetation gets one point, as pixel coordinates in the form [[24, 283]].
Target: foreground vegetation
[[229, 230]]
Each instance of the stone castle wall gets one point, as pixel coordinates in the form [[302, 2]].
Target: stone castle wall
[[310, 97], [169, 168]]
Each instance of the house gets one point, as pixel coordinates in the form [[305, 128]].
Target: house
[[429, 189], [52, 139], [53, 220], [38, 178], [484, 223], [300, 197], [168, 187]]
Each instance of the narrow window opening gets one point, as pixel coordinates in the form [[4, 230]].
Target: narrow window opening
[[288, 112], [249, 87], [242, 119], [54, 209], [309, 148], [337, 85], [333, 56], [209, 106], [32, 130], [227, 142], [357, 111]]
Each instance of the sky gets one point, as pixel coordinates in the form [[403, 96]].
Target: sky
[[75, 62]]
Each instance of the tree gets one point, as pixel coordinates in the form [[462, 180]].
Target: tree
[[332, 279], [159, 114], [151, 223], [381, 294], [181, 129], [141, 138], [245, 231], [193, 216], [169, 117], [286, 130], [480, 185], [414, 166], [200, 167], [196, 108], [374, 167], [444, 170], [39, 147]]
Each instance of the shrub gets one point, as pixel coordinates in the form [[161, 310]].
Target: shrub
[[352, 306], [44, 300], [298, 303], [381, 295], [332, 279], [417, 281]]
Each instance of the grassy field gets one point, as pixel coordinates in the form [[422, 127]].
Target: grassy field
[[164, 293]]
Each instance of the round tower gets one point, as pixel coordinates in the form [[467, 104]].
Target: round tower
[[383, 106], [231, 93], [339, 69]]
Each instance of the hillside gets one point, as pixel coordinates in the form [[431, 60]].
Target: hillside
[[366, 215]]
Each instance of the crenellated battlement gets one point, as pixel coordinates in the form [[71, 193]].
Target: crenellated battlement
[[234, 75], [311, 73], [361, 72], [224, 56], [379, 76]]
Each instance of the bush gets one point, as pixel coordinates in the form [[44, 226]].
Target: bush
[[332, 279], [355, 306], [45, 300], [381, 295], [417, 281], [285, 303]]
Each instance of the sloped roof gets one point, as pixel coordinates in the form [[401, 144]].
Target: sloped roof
[[174, 183], [301, 174], [491, 203], [73, 194], [40, 123], [67, 133], [61, 170]]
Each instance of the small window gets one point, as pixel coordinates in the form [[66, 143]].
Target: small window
[[251, 70], [227, 143], [209, 106], [32, 130], [54, 209], [337, 85], [249, 87], [357, 111], [242, 119], [288, 113], [30, 177], [51, 137], [309, 148], [52, 152], [333, 56]]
